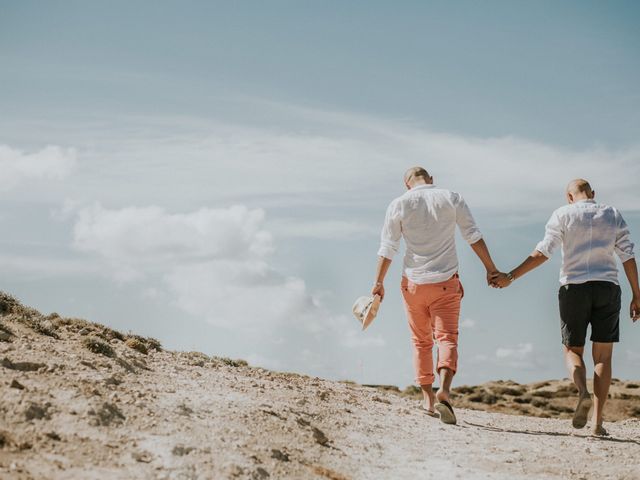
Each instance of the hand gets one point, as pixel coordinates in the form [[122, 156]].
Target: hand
[[378, 290], [634, 309], [490, 274], [500, 280]]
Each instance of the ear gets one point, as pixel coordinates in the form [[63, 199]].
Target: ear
[[430, 182], [593, 194], [569, 197]]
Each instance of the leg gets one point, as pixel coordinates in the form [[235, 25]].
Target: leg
[[578, 371], [577, 368], [422, 339], [602, 353], [445, 312], [446, 376], [575, 314], [429, 397]]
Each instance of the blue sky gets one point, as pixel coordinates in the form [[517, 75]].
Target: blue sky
[[215, 174]]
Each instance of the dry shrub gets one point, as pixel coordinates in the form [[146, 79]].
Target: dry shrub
[[154, 344], [464, 389], [136, 344], [233, 363], [97, 345], [43, 327], [9, 304], [512, 391]]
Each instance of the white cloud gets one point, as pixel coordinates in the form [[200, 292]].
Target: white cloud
[[50, 163], [521, 355], [214, 264], [343, 160]]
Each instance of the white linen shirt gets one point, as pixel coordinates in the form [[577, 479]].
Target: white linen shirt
[[426, 216], [589, 234]]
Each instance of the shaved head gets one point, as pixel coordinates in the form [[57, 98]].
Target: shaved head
[[579, 189], [578, 186], [416, 174]]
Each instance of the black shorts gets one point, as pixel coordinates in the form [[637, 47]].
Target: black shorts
[[595, 303]]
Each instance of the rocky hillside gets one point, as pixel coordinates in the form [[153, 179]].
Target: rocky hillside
[[79, 400]]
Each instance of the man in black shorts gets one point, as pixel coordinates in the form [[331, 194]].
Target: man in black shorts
[[590, 234]]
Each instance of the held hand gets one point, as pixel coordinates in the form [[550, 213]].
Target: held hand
[[500, 280], [490, 275], [634, 309], [378, 290]]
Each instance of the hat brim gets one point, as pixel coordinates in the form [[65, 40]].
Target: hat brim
[[371, 312]]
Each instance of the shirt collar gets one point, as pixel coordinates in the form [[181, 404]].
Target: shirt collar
[[420, 187], [586, 200]]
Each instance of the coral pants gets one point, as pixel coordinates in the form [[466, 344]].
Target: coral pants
[[433, 311]]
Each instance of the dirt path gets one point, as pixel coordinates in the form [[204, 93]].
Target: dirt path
[[168, 415]]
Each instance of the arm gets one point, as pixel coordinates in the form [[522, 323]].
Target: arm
[[389, 244], [471, 233], [381, 272], [624, 250], [482, 251], [631, 270], [552, 239], [533, 261]]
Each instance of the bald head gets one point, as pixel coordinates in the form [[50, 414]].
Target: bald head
[[579, 189], [417, 176]]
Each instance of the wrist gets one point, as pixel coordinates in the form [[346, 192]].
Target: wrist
[[510, 277], [378, 284]]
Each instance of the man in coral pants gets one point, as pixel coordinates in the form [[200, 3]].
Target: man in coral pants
[[426, 217]]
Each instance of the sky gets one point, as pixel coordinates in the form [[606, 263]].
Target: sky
[[215, 174]]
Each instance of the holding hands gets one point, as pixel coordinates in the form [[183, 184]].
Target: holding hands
[[499, 279]]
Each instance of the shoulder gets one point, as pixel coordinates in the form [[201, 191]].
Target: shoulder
[[563, 211]]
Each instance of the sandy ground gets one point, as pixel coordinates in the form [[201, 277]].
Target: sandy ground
[[170, 415]]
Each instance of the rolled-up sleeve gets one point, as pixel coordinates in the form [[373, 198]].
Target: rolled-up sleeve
[[466, 223], [391, 232], [552, 236], [624, 245]]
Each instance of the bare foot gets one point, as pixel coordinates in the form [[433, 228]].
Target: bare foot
[[442, 395], [582, 411], [599, 431]]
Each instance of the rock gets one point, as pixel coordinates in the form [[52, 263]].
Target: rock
[[113, 380], [108, 414], [279, 455], [36, 412], [319, 436], [4, 336], [260, 473], [184, 410], [22, 366], [5, 439], [16, 384], [143, 457], [53, 436], [181, 450]]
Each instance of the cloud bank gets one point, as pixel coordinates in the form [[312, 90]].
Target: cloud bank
[[50, 163], [215, 264]]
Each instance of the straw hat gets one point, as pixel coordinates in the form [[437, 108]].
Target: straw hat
[[365, 309]]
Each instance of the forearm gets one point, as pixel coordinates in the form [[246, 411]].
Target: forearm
[[631, 270], [482, 251], [382, 269], [533, 261]]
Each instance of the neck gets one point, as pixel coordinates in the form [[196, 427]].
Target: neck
[[418, 183]]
